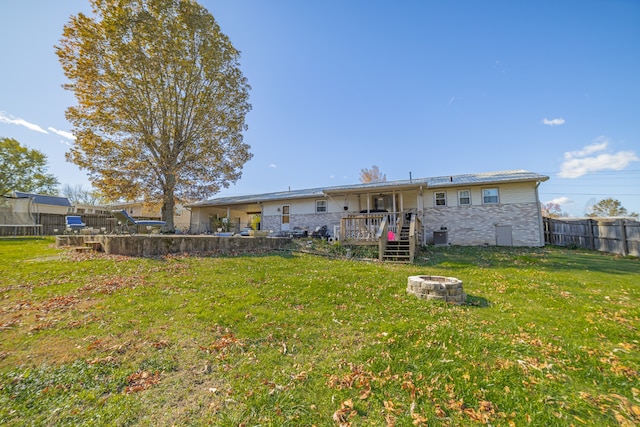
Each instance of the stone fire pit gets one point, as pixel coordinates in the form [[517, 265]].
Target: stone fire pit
[[441, 288]]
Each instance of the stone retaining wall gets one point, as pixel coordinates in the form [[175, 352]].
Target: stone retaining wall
[[440, 288], [155, 245]]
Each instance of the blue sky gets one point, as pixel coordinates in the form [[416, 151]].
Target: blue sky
[[427, 88]]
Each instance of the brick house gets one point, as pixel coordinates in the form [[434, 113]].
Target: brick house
[[492, 208]]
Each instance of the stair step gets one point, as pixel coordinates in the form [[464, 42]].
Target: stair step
[[398, 251], [397, 260], [96, 246]]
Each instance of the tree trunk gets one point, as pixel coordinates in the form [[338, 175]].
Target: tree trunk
[[168, 204], [167, 213]]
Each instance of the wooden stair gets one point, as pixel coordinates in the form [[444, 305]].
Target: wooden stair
[[89, 246], [398, 251]]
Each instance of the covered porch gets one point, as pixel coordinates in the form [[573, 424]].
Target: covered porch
[[225, 218], [389, 217]]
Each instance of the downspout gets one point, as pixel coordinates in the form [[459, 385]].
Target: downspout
[[540, 223], [421, 213]]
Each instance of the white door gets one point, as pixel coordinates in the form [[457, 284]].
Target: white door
[[284, 219]]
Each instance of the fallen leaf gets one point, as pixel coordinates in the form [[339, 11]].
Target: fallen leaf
[[346, 412], [140, 381]]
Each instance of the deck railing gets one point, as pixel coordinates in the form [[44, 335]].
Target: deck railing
[[363, 228], [415, 235], [383, 238], [378, 228]]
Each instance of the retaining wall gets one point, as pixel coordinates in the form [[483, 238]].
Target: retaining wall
[[155, 245]]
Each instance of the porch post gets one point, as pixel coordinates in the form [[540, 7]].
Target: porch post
[[261, 216]]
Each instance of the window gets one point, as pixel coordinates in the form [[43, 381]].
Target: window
[[284, 218], [321, 206], [464, 197], [490, 195], [441, 198], [383, 202]]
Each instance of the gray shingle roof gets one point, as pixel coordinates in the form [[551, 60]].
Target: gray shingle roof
[[43, 199], [434, 182]]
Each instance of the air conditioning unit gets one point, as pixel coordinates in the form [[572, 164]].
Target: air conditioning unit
[[441, 237]]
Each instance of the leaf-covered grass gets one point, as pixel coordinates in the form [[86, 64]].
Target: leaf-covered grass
[[547, 337]]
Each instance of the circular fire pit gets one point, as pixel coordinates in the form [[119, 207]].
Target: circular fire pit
[[441, 288]]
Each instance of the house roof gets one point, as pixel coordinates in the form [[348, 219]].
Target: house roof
[[43, 199], [434, 182]]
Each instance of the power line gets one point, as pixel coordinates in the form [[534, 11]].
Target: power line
[[551, 184], [590, 194], [598, 173]]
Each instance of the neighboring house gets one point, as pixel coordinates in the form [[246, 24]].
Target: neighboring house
[[494, 208], [140, 209], [42, 203], [81, 209]]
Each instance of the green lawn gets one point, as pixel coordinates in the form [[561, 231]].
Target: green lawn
[[549, 337]]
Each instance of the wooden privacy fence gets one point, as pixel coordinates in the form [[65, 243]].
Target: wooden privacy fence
[[48, 223], [619, 236]]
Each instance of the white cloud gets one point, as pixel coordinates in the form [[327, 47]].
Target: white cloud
[[582, 162], [62, 133], [553, 122], [273, 166], [600, 144], [562, 201], [9, 119]]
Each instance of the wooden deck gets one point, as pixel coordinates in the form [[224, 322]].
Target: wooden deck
[[396, 234]]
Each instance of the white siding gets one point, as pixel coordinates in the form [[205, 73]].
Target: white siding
[[508, 194], [517, 193]]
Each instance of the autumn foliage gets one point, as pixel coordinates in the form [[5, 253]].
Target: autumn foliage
[[161, 101]]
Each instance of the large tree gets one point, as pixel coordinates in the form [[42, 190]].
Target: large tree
[[161, 101], [24, 169], [609, 207], [79, 195], [553, 210], [372, 175]]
